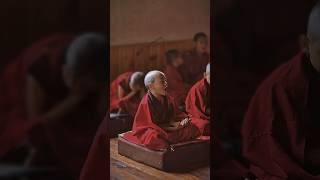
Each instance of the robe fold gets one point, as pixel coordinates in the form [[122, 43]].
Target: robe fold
[[145, 130], [277, 123], [96, 165], [129, 105], [14, 124], [198, 106], [177, 88]]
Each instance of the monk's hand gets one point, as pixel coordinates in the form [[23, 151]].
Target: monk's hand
[[185, 121], [171, 126]]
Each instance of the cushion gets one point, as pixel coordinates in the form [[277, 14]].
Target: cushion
[[180, 157]]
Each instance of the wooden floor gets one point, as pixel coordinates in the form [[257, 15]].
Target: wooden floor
[[122, 168]]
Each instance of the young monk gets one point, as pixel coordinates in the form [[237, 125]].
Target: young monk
[[195, 61], [198, 103], [281, 127], [156, 123], [68, 102], [177, 88], [126, 92]]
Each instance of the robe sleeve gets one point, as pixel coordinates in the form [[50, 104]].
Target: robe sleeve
[[261, 137], [195, 105]]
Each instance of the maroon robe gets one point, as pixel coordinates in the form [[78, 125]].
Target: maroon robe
[[145, 130], [14, 124], [198, 105], [177, 88], [194, 66], [96, 165], [277, 133], [129, 105]]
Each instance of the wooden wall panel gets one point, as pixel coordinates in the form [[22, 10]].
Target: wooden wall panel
[[142, 57]]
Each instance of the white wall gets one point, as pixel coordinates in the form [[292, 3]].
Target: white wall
[[137, 21]]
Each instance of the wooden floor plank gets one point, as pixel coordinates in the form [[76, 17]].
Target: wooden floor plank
[[123, 171], [125, 168]]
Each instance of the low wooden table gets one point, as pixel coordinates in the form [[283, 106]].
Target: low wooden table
[[125, 168]]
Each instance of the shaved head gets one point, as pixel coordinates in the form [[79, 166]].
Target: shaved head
[[87, 56], [314, 24], [151, 76], [137, 79], [156, 83]]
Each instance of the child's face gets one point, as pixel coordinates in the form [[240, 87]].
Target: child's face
[[201, 45], [207, 77], [159, 86]]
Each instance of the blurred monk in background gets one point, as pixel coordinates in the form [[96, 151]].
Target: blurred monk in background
[[198, 103], [281, 127], [195, 60], [177, 87], [126, 92]]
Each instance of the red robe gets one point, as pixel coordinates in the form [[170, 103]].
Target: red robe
[[276, 124], [14, 124], [194, 66], [147, 133], [130, 105], [96, 165], [177, 88], [198, 105]]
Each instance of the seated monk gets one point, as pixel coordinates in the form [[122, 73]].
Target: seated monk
[[67, 98], [198, 103], [157, 123], [195, 61], [126, 92], [177, 88], [281, 127]]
